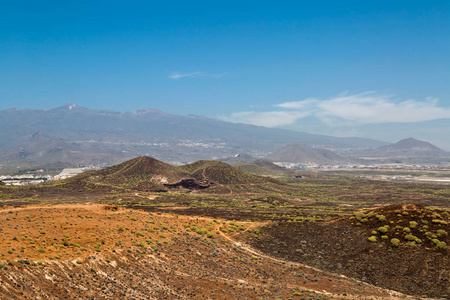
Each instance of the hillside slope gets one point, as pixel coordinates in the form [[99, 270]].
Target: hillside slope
[[97, 251], [223, 173], [399, 247], [143, 173]]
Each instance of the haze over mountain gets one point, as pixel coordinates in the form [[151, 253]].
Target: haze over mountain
[[101, 136], [411, 147], [303, 154]]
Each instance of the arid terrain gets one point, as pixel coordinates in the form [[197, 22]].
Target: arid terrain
[[147, 230]]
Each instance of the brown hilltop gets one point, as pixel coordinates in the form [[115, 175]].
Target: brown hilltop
[[148, 174], [142, 173], [223, 173], [144, 167]]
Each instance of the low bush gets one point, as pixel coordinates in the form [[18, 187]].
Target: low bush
[[372, 239], [395, 242]]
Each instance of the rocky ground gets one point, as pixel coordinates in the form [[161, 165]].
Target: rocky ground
[[399, 247], [93, 251]]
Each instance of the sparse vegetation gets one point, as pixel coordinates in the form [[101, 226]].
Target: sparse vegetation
[[237, 203]]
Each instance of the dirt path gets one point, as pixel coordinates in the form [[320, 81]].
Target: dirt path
[[133, 165], [245, 248], [150, 197]]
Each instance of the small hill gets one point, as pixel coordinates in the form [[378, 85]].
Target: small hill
[[242, 157], [145, 173], [301, 154], [222, 173], [411, 147], [269, 165], [148, 174]]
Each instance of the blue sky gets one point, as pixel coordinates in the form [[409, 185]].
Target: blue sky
[[329, 66]]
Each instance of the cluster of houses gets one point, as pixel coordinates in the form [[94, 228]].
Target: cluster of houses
[[26, 179]]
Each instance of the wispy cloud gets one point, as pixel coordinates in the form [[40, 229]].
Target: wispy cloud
[[197, 74], [347, 110], [268, 119]]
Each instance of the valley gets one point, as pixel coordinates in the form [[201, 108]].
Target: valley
[[212, 230]]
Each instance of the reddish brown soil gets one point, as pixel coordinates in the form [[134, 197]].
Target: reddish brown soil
[[94, 251]]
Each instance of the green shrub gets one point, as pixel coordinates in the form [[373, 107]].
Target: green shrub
[[441, 232], [407, 230], [442, 222], [372, 239], [410, 237], [395, 242], [413, 224], [441, 245], [383, 230], [381, 218]]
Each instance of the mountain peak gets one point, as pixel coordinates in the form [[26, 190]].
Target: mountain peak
[[38, 135], [412, 142], [68, 107]]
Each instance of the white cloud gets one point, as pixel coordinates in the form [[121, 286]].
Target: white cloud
[[308, 103], [268, 119], [179, 75], [348, 110]]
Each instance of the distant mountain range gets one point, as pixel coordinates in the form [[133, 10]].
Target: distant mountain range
[[84, 136], [81, 136]]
